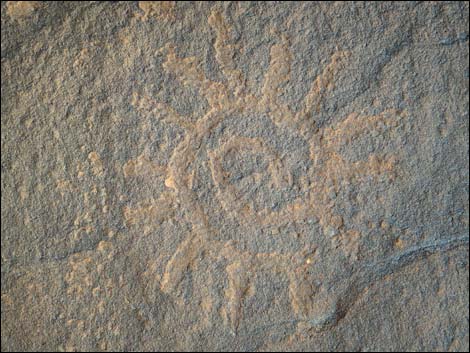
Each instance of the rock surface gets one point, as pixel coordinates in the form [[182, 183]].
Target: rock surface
[[234, 176]]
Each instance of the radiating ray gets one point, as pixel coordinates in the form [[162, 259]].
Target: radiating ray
[[184, 256], [160, 111], [225, 52], [278, 72], [276, 76], [188, 71], [324, 83], [237, 291], [143, 166]]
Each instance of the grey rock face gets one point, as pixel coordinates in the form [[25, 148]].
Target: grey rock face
[[269, 176]]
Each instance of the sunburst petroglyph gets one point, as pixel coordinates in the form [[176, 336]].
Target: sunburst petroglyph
[[329, 172]]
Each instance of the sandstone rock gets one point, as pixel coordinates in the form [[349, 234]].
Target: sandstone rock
[[235, 176]]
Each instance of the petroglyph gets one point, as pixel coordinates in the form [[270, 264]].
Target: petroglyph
[[151, 210], [238, 288], [329, 171], [148, 107], [252, 176], [143, 166], [231, 199]]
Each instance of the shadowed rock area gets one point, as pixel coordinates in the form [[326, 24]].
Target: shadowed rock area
[[234, 176]]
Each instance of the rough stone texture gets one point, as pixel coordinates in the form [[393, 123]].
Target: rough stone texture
[[234, 176]]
